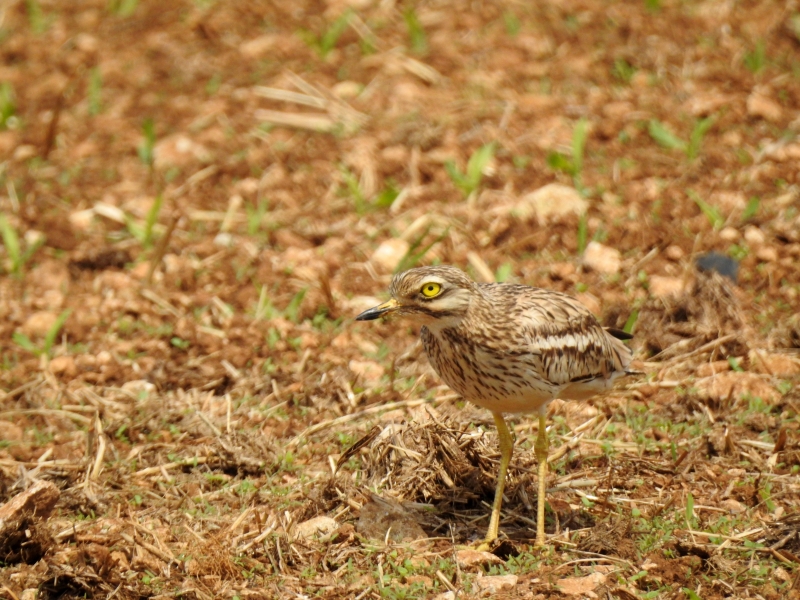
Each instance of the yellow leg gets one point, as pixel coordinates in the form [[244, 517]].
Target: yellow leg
[[506, 449], [540, 448]]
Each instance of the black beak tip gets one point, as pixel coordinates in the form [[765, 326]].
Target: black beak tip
[[369, 315]]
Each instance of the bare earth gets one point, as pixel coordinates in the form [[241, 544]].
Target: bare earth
[[197, 197]]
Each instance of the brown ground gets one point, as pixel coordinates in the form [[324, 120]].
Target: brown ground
[[187, 409]]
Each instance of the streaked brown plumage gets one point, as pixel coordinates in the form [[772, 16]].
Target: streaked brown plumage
[[508, 348]]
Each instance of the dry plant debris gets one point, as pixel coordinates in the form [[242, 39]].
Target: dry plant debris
[[196, 197]]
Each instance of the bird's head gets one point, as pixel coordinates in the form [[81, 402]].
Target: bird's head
[[434, 296]]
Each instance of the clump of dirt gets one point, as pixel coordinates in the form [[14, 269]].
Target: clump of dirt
[[108, 258], [214, 558], [435, 461], [784, 536], [84, 579], [26, 544], [786, 334], [676, 325], [382, 517], [611, 537]]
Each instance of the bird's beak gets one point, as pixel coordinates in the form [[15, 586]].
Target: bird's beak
[[378, 311]]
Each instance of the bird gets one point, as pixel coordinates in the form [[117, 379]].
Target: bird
[[509, 348]]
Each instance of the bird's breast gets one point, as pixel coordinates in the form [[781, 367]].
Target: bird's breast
[[499, 381]]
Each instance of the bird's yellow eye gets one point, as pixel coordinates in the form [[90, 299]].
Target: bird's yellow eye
[[431, 289]]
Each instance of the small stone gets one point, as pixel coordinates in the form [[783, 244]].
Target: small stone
[[318, 526], [24, 152], [562, 270], [753, 235], [140, 387], [383, 516], [86, 43], [496, 583], [223, 239], [138, 272], [774, 363], [662, 286], [8, 141], [674, 253], [712, 368], [29, 594], [397, 154], [729, 385], [50, 275], [39, 500], [389, 254], [63, 365], [581, 586], [714, 261], [367, 370], [759, 104], [259, 46], [179, 150], [347, 89], [648, 389], [38, 324], [781, 574], [247, 186], [10, 431], [427, 582], [729, 201], [474, 558], [729, 234], [704, 104], [110, 212], [733, 506], [767, 254], [550, 202], [81, 219], [602, 259], [785, 153], [34, 237], [121, 560], [445, 596], [732, 138]]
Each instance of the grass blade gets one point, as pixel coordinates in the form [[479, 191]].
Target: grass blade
[[146, 148], [664, 137], [697, 135], [710, 211], [330, 37], [11, 243], [631, 322], [560, 162], [152, 217], [478, 162], [753, 205], [24, 342], [583, 233], [579, 137], [52, 333], [412, 257], [416, 33], [292, 311]]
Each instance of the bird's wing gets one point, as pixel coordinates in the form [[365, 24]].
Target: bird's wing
[[564, 339]]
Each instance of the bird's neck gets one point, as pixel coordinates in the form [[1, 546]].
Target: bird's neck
[[440, 324]]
